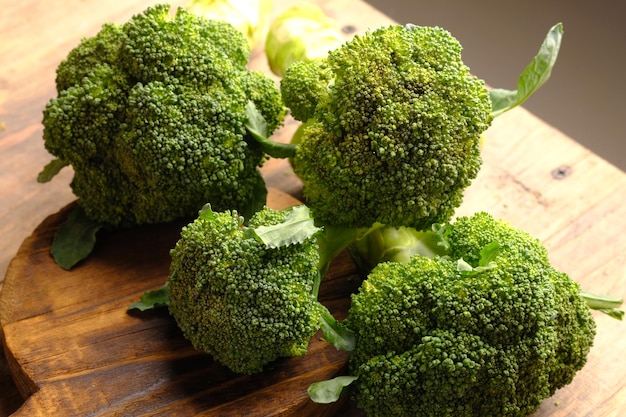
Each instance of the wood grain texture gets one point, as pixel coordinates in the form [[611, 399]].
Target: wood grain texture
[[75, 349], [533, 176]]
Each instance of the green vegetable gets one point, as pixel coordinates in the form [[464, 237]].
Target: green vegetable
[[303, 32], [391, 128], [327, 391], [382, 243], [247, 295], [453, 319], [484, 327], [152, 116], [392, 124], [250, 17], [153, 299], [534, 75], [606, 304], [74, 239]]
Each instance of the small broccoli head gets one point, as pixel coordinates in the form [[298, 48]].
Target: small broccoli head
[[242, 302], [152, 116], [493, 339], [102, 48], [397, 119], [304, 85], [262, 92], [99, 100], [159, 47]]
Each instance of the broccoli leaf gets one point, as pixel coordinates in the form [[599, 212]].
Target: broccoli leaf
[[440, 236], [335, 333], [153, 299], [207, 213], [74, 239], [51, 169], [533, 77], [297, 227], [329, 391], [488, 254], [486, 262], [257, 127], [604, 303], [257, 200], [332, 241]]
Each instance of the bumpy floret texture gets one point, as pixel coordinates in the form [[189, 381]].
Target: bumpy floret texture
[[394, 119], [432, 341], [151, 116], [239, 301], [306, 83]]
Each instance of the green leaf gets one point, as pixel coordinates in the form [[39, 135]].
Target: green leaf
[[329, 391], [486, 262], [604, 303], [257, 200], [297, 228], [257, 127], [489, 253], [207, 213], [611, 312], [440, 236], [533, 77], [463, 267], [74, 239], [153, 299], [51, 169], [335, 333], [332, 241]]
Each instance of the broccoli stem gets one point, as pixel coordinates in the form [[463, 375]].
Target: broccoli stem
[[381, 243], [604, 303], [257, 128], [336, 333]]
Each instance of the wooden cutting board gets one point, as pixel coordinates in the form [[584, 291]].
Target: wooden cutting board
[[75, 350]]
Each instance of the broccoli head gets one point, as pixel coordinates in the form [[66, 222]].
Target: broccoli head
[[490, 328], [242, 302], [152, 114], [391, 127]]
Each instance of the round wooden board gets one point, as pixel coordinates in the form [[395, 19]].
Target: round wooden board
[[75, 350]]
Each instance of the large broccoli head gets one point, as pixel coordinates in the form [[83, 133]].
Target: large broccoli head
[[151, 116], [242, 302], [489, 329], [392, 121]]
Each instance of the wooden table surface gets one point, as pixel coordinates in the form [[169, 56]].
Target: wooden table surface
[[533, 176]]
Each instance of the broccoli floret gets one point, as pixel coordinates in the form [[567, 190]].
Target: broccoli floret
[[235, 299], [393, 124], [152, 114], [262, 92], [489, 328], [102, 48], [304, 86], [245, 299]]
